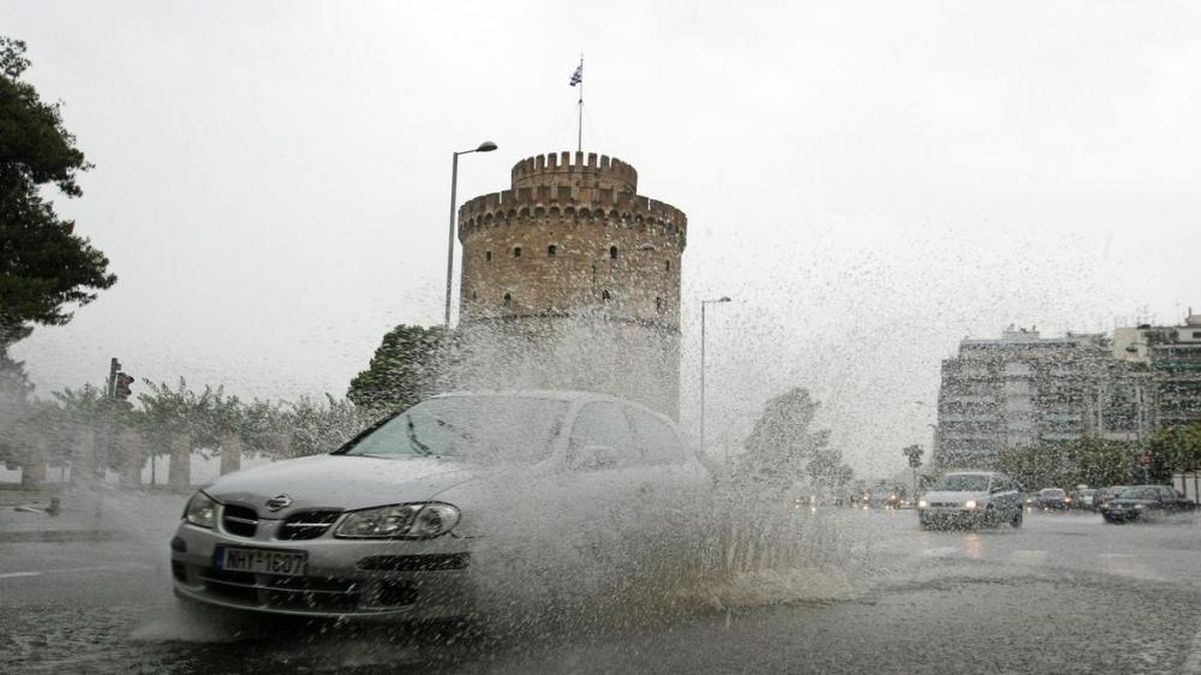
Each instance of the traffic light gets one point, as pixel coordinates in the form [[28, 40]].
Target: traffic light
[[121, 391]]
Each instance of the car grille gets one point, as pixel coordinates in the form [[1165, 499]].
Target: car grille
[[415, 563], [238, 520], [307, 524], [296, 593], [944, 504]]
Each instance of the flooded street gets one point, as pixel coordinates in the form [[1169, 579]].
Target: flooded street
[[1063, 592]]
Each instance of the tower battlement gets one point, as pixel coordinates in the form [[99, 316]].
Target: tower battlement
[[575, 169], [571, 278]]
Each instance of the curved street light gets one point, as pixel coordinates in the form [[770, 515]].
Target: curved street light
[[486, 146], [705, 303]]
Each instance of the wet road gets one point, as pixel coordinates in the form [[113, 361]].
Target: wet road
[[1064, 593]]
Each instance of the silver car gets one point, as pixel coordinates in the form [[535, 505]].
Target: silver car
[[392, 523], [971, 498]]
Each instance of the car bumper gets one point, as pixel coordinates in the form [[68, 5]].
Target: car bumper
[[403, 579], [952, 517]]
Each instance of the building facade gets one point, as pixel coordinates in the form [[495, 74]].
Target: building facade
[[571, 279], [1024, 390], [1171, 358]]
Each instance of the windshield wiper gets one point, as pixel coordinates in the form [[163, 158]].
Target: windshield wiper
[[411, 431]]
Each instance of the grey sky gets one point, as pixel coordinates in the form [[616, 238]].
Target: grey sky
[[872, 181]]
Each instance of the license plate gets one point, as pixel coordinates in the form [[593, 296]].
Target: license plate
[[262, 561]]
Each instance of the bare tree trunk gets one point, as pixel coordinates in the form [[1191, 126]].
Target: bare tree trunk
[[179, 471], [132, 457], [231, 453], [83, 458], [284, 446], [33, 471]]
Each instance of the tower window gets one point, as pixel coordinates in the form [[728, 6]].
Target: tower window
[[667, 265], [605, 296], [551, 251], [516, 251], [612, 253], [659, 305], [508, 299], [487, 256], [474, 295]]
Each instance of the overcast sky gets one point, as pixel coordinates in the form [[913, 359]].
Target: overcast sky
[[871, 181]]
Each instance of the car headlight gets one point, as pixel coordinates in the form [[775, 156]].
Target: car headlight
[[921, 503], [200, 510], [1139, 507], [969, 504], [406, 521]]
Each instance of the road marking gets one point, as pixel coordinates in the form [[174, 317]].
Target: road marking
[[1029, 557], [66, 570], [1192, 661], [1126, 565]]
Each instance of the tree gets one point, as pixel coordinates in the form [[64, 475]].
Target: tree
[[1101, 462], [782, 440], [408, 366], [1037, 467], [1176, 448], [45, 268]]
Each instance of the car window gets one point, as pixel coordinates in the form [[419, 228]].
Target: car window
[[603, 424], [657, 441]]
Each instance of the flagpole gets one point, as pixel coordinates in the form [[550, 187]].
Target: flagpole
[[579, 144]]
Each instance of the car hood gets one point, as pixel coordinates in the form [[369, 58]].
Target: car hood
[[340, 482], [945, 496]]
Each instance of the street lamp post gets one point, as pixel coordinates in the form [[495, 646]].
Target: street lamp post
[[486, 146], [704, 303]]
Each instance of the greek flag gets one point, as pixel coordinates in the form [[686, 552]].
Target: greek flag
[[578, 76]]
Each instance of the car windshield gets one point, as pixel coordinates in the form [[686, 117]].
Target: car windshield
[[1051, 492], [963, 482], [1139, 493], [476, 427]]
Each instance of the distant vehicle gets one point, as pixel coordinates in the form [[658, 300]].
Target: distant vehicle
[[883, 497], [1052, 499], [971, 498], [1104, 495], [1083, 499], [1145, 501], [386, 526]]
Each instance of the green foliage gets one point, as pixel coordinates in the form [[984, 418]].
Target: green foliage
[[781, 441], [1037, 467], [1100, 462], [826, 469], [914, 453], [1177, 448], [44, 266], [409, 365]]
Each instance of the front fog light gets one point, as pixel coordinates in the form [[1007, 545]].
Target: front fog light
[[200, 510], [921, 503], [969, 504]]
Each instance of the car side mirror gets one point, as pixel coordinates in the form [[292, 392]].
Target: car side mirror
[[996, 488], [595, 457]]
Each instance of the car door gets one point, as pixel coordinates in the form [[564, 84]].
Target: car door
[[1007, 498], [605, 475], [674, 485]]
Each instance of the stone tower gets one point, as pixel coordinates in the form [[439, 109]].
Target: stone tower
[[570, 279]]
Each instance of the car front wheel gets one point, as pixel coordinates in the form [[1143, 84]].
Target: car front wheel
[[1017, 520]]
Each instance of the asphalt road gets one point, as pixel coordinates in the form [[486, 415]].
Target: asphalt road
[[1066, 593]]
